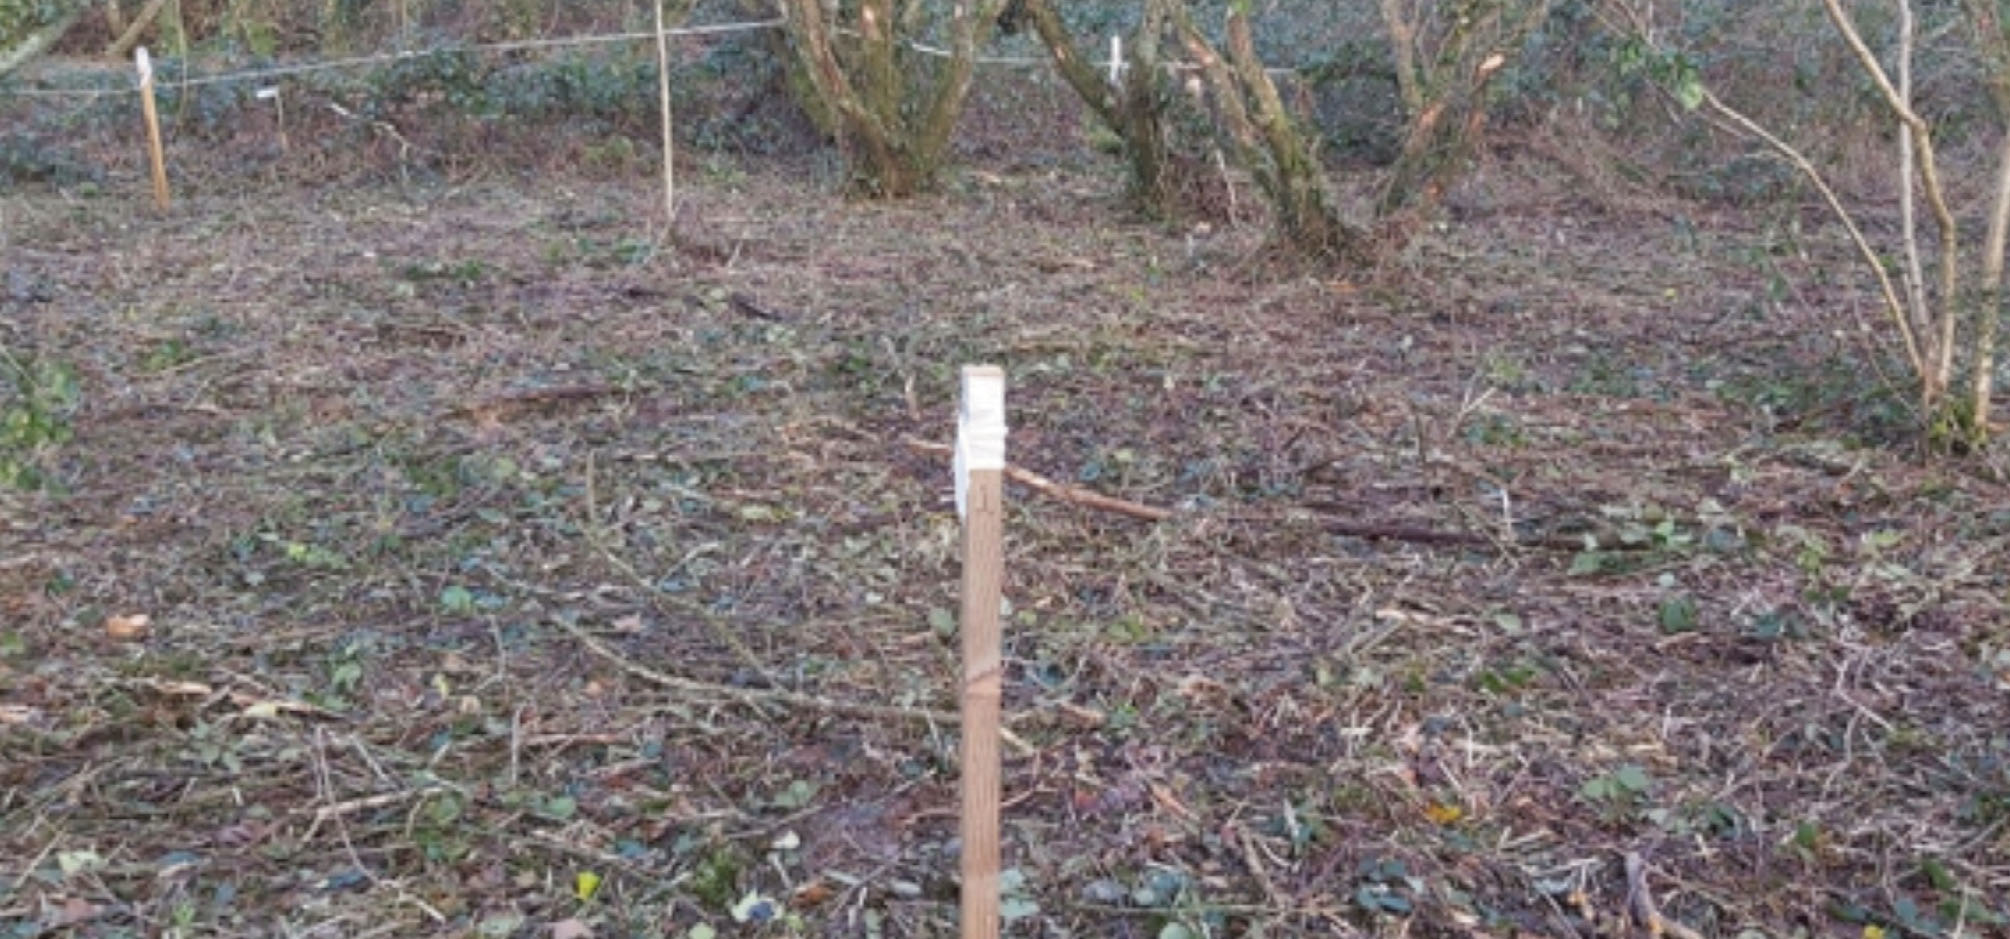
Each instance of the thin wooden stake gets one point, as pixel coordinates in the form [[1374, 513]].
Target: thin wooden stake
[[278, 113], [152, 112], [979, 467], [669, 144]]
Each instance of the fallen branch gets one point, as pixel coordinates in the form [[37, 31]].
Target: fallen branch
[[364, 804], [1371, 530], [755, 697], [1640, 902], [721, 630], [1063, 491], [1414, 535], [516, 402]]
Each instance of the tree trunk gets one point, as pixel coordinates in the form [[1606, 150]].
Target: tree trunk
[[1447, 107], [1282, 159], [874, 99], [1134, 110]]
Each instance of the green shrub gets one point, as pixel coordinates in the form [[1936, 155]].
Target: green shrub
[[37, 398]]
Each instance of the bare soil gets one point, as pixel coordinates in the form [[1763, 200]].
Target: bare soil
[[510, 572]]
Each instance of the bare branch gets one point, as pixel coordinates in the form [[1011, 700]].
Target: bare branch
[[1892, 303], [1915, 278]]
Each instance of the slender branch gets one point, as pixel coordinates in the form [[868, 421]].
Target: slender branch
[[1064, 492], [1915, 278], [753, 697], [1938, 376], [1892, 303], [827, 76], [881, 75], [120, 47], [1068, 60], [1994, 46], [1374, 531], [1989, 309], [974, 20], [669, 143], [1403, 49]]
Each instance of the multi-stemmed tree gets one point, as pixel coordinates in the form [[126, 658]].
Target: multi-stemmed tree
[[1444, 55], [894, 102]]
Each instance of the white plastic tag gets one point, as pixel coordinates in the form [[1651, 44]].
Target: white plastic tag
[[980, 429], [145, 65]]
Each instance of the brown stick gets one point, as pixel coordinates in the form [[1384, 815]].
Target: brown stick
[[1642, 903], [1065, 492], [155, 154], [669, 143], [1372, 530], [757, 698], [983, 680]]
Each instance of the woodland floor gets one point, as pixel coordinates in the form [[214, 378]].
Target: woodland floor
[[509, 575]]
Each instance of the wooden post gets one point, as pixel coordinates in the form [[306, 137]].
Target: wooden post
[[278, 113], [669, 143], [147, 106], [979, 466]]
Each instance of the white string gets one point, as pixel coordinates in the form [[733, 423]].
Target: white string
[[1113, 63], [306, 67]]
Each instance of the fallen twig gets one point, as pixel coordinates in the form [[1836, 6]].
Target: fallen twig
[[755, 697], [720, 630], [1371, 530], [1640, 901], [518, 401], [1063, 491], [381, 800], [1416, 535]]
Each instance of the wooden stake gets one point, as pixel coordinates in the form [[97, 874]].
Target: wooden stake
[[669, 145], [147, 106], [278, 113], [979, 466]]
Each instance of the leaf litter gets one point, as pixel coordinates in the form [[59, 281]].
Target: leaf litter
[[462, 569]]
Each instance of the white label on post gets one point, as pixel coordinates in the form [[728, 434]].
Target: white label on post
[[269, 91], [1116, 58], [145, 66], [980, 429]]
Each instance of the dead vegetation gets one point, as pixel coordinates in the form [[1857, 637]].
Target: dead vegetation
[[504, 573]]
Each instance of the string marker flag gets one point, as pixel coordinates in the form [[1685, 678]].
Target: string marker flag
[[979, 466], [145, 66]]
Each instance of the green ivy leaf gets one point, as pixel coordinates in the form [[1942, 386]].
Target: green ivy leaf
[[1689, 92], [560, 808], [1678, 614], [798, 794], [457, 599]]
